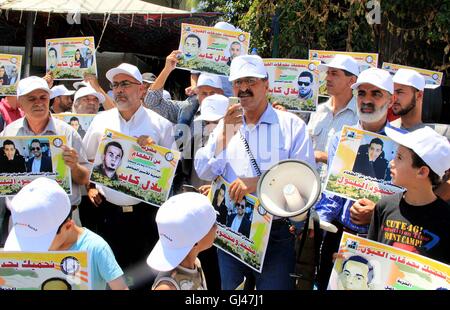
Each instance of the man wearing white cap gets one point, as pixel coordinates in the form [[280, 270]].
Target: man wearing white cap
[[87, 101], [337, 111], [42, 221], [253, 129], [61, 99], [375, 95], [92, 81], [138, 233], [34, 97]]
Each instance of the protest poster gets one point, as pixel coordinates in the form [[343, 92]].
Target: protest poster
[[79, 122], [145, 173], [360, 168], [433, 79], [209, 49], [363, 264], [364, 60], [10, 66], [248, 240], [52, 270], [293, 83], [19, 162], [70, 58]]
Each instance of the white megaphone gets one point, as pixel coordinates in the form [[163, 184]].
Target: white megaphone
[[289, 189]]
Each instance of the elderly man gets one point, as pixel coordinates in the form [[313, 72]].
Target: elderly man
[[375, 96], [34, 99], [337, 111], [87, 101], [128, 224], [248, 141], [61, 99]]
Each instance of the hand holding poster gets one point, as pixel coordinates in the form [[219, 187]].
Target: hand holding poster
[[145, 173], [70, 58], [293, 83], [23, 159], [360, 168], [243, 228], [433, 79], [10, 66], [209, 49], [79, 122], [364, 264], [60, 270], [365, 61]]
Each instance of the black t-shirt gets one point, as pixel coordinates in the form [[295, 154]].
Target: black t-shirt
[[421, 229]]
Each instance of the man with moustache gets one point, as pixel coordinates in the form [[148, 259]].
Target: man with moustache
[[375, 94], [250, 139]]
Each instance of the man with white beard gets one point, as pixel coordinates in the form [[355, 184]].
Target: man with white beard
[[375, 95]]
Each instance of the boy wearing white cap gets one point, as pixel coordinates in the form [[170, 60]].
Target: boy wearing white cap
[[186, 227], [416, 220], [42, 221], [61, 99]]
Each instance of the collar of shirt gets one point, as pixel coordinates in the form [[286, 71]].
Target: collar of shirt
[[351, 106], [50, 128], [268, 117], [380, 132]]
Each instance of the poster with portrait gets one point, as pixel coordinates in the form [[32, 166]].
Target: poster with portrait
[[211, 50], [293, 83], [53, 270], [242, 228], [360, 168], [433, 79], [363, 264], [364, 60], [10, 66], [145, 173], [79, 122], [25, 158], [70, 58]]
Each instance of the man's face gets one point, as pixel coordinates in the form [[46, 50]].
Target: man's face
[[354, 276], [36, 149], [35, 105], [113, 157], [191, 47], [2, 72], [338, 82], [65, 103], [206, 91], [235, 50], [240, 208], [375, 151], [88, 105], [127, 98], [88, 54], [373, 103], [305, 85], [52, 60], [252, 92], [10, 151], [406, 99], [75, 124]]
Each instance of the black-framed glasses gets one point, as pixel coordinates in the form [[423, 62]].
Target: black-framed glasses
[[37, 148], [251, 81], [300, 83], [123, 84]]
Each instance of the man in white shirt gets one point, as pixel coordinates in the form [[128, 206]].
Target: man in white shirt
[[128, 224]]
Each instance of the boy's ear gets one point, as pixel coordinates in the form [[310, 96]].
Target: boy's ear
[[423, 172]]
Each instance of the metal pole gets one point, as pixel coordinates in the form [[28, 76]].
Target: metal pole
[[28, 45]]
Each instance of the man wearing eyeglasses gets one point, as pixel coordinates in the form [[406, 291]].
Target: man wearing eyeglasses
[[128, 224], [88, 60], [305, 85], [270, 136], [39, 162]]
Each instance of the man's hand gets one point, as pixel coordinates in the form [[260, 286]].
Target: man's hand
[[361, 211], [171, 60], [190, 91], [232, 121], [278, 106], [321, 157], [94, 196], [204, 189], [70, 156], [144, 140], [48, 77], [92, 80], [241, 187]]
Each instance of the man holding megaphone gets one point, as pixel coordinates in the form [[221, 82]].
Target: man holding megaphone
[[250, 139]]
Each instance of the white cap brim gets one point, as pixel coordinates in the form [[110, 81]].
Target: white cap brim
[[209, 118], [29, 244], [149, 82], [324, 67], [50, 93], [165, 259], [244, 74], [355, 86], [115, 71]]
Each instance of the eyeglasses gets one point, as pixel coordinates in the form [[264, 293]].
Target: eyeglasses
[[123, 84], [303, 83], [37, 148], [249, 81]]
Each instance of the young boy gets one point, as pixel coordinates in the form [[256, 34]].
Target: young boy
[[416, 220], [186, 226], [42, 221]]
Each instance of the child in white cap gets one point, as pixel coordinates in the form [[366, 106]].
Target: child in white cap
[[42, 221], [416, 220], [186, 227]]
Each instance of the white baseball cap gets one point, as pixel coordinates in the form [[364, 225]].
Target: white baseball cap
[[410, 78], [31, 83], [206, 79], [79, 84], [127, 69], [148, 77], [37, 211], [433, 148], [247, 66], [61, 90], [182, 221], [224, 26], [343, 62], [377, 77], [86, 91], [213, 108]]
